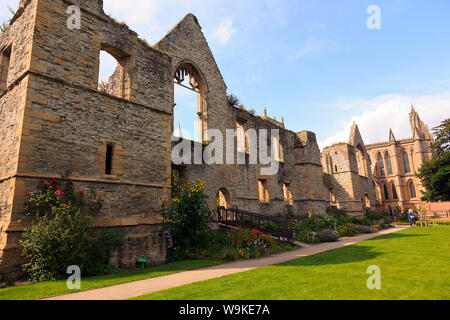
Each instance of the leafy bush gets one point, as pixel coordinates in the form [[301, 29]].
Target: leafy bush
[[186, 221], [374, 215], [327, 235], [63, 233]]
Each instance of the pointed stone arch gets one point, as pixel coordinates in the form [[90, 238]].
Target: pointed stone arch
[[223, 198], [188, 70]]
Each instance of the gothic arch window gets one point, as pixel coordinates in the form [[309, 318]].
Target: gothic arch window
[[190, 93], [412, 189], [381, 165], [394, 192], [361, 160], [223, 198], [287, 194], [388, 162], [386, 192], [5, 58], [406, 165]]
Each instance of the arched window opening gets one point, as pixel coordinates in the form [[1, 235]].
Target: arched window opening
[[263, 191], [388, 162], [412, 189], [113, 75], [5, 58], [406, 162], [287, 193], [190, 98], [332, 196], [223, 198], [386, 192], [381, 165], [361, 160], [367, 201], [394, 192]]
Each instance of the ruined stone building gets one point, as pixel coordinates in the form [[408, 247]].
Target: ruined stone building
[[349, 181], [118, 140], [380, 175], [396, 163]]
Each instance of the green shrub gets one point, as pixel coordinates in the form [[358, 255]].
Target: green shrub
[[186, 221], [374, 216], [63, 234], [327, 235]]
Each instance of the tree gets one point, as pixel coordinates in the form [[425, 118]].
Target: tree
[[435, 174], [442, 135]]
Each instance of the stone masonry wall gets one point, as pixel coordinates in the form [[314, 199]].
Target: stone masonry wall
[[67, 124]]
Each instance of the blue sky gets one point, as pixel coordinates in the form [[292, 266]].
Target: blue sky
[[315, 62]]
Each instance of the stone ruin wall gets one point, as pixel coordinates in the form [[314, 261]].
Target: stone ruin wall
[[53, 118]]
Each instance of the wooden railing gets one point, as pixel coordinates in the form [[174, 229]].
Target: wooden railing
[[275, 226]]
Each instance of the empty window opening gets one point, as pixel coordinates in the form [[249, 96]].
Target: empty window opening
[[361, 160], [332, 197], [288, 199], [223, 198], [4, 68], [109, 159], [367, 201], [242, 141], [113, 77], [190, 104], [263, 191]]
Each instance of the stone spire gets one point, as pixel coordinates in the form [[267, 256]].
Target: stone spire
[[391, 136]]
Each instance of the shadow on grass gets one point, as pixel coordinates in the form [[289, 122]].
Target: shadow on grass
[[343, 255], [398, 235]]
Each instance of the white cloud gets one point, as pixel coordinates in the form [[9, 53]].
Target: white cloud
[[376, 116], [224, 31]]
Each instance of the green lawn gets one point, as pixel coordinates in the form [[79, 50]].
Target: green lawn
[[415, 264], [47, 289]]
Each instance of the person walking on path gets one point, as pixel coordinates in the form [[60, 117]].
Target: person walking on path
[[411, 217]]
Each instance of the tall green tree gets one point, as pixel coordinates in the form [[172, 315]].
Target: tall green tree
[[435, 174]]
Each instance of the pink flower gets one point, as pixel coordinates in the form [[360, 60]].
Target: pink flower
[[50, 187], [59, 193], [81, 192], [65, 206]]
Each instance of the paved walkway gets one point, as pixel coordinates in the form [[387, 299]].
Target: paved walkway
[[143, 287]]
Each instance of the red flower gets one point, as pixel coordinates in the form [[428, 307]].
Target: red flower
[[81, 192], [59, 193]]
